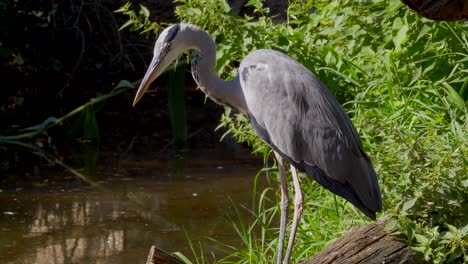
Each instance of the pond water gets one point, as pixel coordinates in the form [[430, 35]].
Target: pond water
[[146, 203]]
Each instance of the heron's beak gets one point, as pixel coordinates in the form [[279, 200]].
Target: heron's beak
[[153, 72]]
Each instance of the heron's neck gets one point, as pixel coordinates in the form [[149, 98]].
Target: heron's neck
[[228, 93]]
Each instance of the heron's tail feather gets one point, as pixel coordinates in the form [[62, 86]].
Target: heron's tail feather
[[346, 191]]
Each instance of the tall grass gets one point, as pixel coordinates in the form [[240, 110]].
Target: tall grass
[[402, 78]]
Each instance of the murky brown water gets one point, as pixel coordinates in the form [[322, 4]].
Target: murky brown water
[[153, 202]]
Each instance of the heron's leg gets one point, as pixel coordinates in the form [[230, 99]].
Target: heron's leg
[[284, 206], [298, 207]]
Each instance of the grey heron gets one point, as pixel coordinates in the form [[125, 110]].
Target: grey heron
[[291, 110]]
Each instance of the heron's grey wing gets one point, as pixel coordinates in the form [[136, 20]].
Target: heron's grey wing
[[299, 117]]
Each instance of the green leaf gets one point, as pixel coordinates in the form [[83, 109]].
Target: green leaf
[[42, 126], [409, 204], [453, 96], [391, 225], [419, 249], [400, 38], [464, 230], [448, 236], [127, 24], [124, 84], [90, 124], [123, 8], [182, 257], [176, 104], [144, 11], [452, 228], [421, 239]]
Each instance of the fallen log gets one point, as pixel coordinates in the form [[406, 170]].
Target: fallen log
[[158, 256], [369, 244]]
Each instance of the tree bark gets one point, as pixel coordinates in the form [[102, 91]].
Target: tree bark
[[369, 244]]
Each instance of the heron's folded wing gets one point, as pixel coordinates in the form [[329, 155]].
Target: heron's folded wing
[[300, 118]]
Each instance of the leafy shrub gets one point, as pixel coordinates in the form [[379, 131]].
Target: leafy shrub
[[402, 78]]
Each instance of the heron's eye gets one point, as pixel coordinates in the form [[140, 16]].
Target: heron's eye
[[168, 45]]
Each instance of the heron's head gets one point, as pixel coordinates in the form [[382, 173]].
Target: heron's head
[[168, 47]]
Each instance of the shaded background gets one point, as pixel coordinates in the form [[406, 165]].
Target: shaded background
[[56, 55]]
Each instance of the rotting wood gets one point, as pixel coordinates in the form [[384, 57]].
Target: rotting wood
[[369, 244], [158, 256]]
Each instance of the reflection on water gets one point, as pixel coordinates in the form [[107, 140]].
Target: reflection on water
[[118, 221]]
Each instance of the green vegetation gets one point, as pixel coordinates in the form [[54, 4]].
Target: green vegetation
[[403, 79]]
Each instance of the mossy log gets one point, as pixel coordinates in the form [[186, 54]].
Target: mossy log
[[369, 244], [158, 256], [447, 10]]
